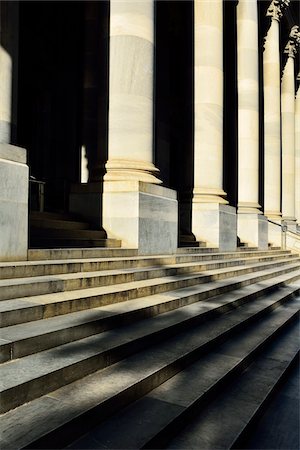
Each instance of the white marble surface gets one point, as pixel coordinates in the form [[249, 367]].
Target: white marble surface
[[131, 72], [143, 216], [248, 103], [275, 233], [13, 210], [288, 140], [272, 175], [208, 72], [5, 94], [297, 156], [13, 153], [253, 229], [215, 224]]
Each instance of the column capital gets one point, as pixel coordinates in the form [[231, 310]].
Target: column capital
[[293, 42], [276, 9]]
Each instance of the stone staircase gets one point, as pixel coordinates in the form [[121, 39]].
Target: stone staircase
[[51, 230], [103, 348]]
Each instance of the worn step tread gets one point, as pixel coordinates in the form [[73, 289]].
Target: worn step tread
[[107, 272], [236, 407], [20, 340], [62, 233], [45, 222], [137, 283], [174, 403], [49, 305], [30, 286], [137, 257], [103, 349], [21, 269], [110, 387]]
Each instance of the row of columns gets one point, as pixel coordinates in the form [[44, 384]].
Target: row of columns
[[131, 118]]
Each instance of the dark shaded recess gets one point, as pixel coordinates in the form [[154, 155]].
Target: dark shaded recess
[[230, 142], [262, 30], [49, 104], [95, 87], [174, 97]]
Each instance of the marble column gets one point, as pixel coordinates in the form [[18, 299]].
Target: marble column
[[213, 220], [131, 69], [272, 122], [135, 208], [252, 225], [297, 152], [288, 130]]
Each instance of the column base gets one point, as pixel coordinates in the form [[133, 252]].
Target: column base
[[215, 224], [142, 215], [253, 229], [130, 170], [14, 179]]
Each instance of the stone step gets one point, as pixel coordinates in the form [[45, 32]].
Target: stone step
[[21, 269], [157, 417], [82, 253], [192, 249], [80, 242], [71, 410], [35, 375], [239, 406], [65, 233], [55, 216], [41, 223], [32, 337], [30, 286], [26, 309]]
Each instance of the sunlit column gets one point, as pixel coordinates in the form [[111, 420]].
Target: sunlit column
[[288, 128], [251, 227], [209, 203], [130, 133], [272, 122], [5, 95], [297, 152]]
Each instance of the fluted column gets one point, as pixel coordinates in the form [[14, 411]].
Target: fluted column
[[272, 122], [208, 195], [288, 129], [130, 133], [136, 209], [251, 228], [297, 152]]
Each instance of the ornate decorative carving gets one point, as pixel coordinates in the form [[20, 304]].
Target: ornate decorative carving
[[276, 9], [293, 42]]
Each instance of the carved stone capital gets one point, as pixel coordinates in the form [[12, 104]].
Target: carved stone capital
[[276, 9], [293, 42]]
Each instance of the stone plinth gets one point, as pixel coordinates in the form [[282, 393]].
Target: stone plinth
[[253, 229], [215, 223], [14, 178], [142, 215]]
